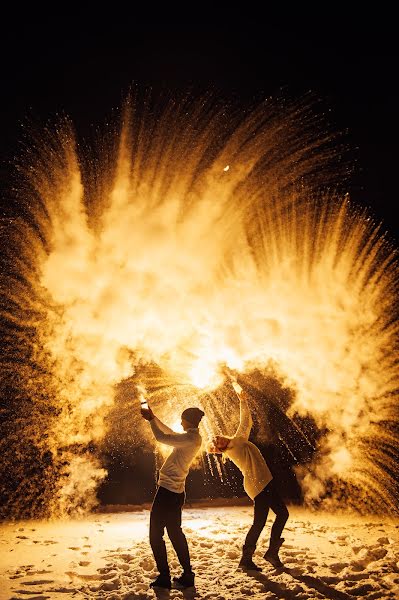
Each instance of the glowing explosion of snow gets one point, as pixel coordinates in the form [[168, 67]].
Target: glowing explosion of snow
[[200, 241]]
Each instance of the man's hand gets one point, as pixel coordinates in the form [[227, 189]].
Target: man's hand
[[147, 414]]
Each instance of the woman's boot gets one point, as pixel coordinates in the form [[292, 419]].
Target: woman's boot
[[271, 555]]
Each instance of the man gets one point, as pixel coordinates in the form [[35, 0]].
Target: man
[[258, 484], [167, 506]]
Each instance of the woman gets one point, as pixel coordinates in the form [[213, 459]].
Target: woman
[[258, 484]]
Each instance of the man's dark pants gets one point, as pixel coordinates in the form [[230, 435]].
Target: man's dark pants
[[166, 512]]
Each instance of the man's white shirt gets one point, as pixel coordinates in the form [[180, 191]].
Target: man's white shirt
[[174, 470]]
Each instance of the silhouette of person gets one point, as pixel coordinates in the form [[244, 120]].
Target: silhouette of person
[[258, 484], [169, 499]]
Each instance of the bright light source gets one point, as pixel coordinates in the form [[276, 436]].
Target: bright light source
[[176, 426]]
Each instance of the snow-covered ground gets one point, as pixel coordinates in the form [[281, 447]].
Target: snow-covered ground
[[108, 556]]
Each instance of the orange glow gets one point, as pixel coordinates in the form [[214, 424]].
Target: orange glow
[[170, 257]]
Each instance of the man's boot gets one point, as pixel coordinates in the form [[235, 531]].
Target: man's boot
[[162, 581], [186, 580], [271, 555], [246, 563]]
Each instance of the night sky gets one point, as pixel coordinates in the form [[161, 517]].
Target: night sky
[[70, 64]]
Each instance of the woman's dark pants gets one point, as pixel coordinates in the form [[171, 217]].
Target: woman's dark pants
[[269, 497]]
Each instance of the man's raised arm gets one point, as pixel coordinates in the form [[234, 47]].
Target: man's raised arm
[[170, 438], [163, 433], [161, 425]]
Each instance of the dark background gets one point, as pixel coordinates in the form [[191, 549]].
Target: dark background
[[83, 66]]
